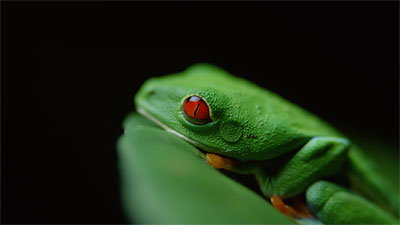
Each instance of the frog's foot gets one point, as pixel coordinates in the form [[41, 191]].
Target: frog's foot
[[219, 162], [299, 209]]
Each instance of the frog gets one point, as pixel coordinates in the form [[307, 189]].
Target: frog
[[246, 129]]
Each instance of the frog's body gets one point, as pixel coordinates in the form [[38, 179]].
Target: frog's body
[[249, 123]]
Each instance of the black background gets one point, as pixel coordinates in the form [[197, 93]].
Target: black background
[[70, 71]]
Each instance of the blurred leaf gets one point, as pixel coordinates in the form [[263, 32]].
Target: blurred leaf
[[165, 181]]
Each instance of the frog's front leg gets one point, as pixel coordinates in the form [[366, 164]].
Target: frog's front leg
[[335, 205], [321, 156]]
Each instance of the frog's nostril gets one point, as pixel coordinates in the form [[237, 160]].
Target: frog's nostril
[[151, 92]]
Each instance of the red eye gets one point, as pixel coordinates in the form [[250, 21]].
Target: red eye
[[196, 108]]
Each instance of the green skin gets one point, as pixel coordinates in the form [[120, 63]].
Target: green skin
[[257, 127]]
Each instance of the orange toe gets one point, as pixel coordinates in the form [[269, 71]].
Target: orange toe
[[278, 204], [299, 210], [217, 161]]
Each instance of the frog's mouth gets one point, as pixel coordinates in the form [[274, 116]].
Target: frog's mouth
[[203, 149]]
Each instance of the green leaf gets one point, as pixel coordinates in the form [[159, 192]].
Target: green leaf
[[164, 180]]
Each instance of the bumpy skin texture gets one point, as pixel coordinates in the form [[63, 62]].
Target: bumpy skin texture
[[245, 115], [252, 124]]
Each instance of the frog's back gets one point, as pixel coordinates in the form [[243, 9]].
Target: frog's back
[[268, 105]]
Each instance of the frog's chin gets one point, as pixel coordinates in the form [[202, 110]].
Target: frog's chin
[[172, 131]]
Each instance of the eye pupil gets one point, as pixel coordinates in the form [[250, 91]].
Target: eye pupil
[[196, 108]]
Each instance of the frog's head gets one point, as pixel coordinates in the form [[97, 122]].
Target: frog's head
[[213, 110]]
